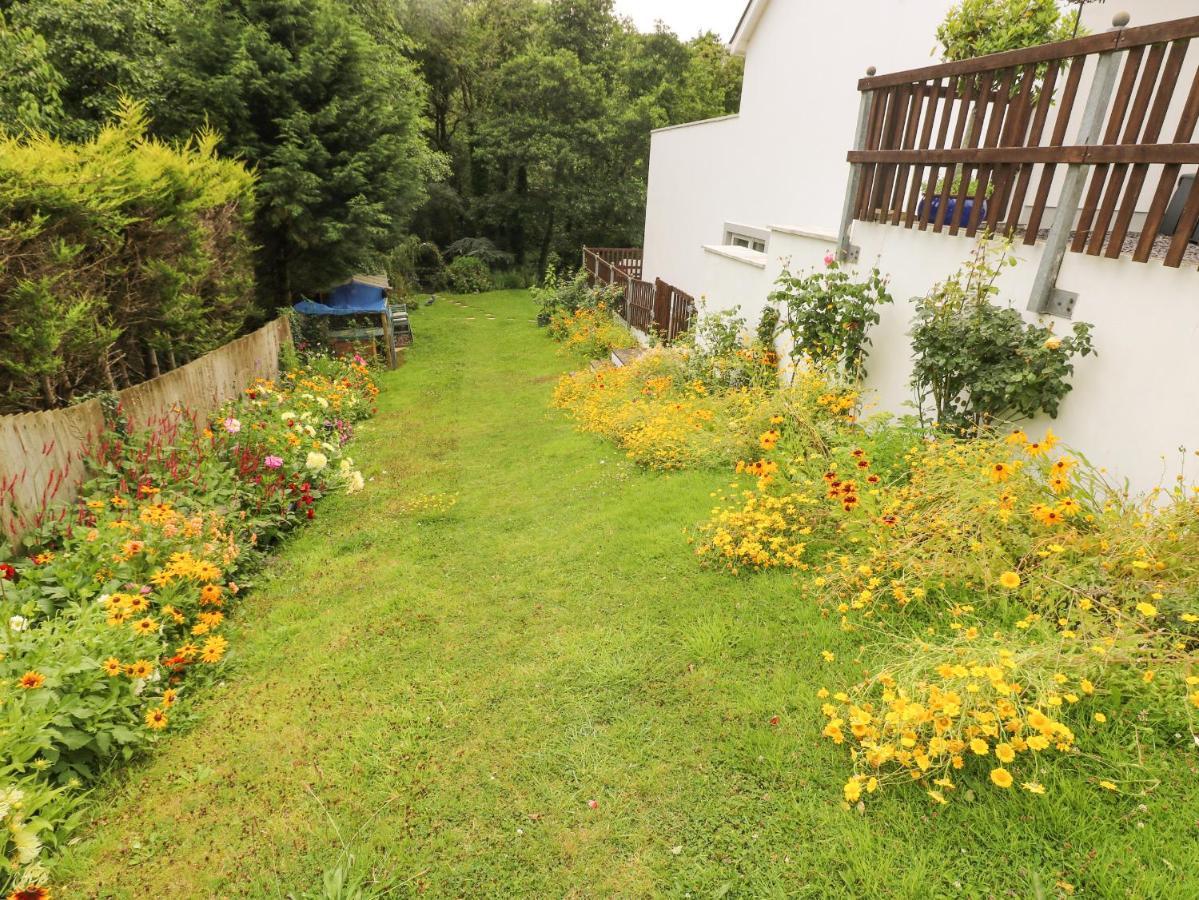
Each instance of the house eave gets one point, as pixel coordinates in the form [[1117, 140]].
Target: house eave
[[747, 26]]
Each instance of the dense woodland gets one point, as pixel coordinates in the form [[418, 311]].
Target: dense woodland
[[389, 135]]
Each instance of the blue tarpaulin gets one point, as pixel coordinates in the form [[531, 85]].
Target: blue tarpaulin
[[361, 294]]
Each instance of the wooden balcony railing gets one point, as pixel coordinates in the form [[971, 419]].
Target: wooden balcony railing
[[976, 145], [658, 307]]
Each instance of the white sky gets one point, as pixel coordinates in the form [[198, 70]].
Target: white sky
[[685, 17]]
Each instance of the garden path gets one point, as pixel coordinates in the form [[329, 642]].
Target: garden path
[[499, 672]]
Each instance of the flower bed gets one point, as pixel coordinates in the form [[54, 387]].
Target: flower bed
[[117, 615], [1012, 604]]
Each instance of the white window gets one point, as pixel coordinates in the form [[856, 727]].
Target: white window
[[746, 236]]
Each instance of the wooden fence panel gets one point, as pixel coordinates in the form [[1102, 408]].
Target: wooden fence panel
[[982, 123], [41, 453], [659, 307]]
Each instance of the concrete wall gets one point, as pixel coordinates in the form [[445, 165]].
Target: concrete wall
[[41, 453]]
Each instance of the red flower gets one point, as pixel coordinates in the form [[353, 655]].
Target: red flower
[[774, 720], [311, 513], [7, 572]]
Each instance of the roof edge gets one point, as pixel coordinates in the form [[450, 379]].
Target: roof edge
[[746, 26]]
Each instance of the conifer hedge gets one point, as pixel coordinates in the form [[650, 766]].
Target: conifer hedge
[[120, 257]]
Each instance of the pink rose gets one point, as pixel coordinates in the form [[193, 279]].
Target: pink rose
[[829, 258]]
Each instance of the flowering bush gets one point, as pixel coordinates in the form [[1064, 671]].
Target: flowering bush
[[1050, 600], [591, 331], [118, 615]]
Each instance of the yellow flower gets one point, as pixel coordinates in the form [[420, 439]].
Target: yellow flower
[[111, 667], [1147, 609], [1004, 753], [828, 655], [1100, 718], [1107, 785], [1033, 787], [156, 719], [979, 746], [140, 669], [1001, 777], [1010, 580]]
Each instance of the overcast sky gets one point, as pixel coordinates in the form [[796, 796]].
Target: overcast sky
[[685, 17]]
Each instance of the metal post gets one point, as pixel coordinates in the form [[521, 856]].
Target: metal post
[[1046, 298], [845, 250]]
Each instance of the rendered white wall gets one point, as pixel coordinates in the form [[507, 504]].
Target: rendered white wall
[[1133, 405], [782, 159]]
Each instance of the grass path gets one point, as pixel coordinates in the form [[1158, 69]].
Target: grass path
[[437, 694]]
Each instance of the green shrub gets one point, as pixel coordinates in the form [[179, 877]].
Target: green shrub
[[429, 267], [979, 363], [128, 247], [828, 314], [558, 295], [468, 275]]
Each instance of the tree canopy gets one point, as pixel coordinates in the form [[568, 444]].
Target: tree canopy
[[522, 122]]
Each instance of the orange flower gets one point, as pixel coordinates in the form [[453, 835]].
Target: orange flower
[[31, 680]]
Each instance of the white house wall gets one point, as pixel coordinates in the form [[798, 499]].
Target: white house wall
[[781, 163]]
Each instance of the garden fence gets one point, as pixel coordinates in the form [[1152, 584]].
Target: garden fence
[[658, 307], [42, 453], [962, 146]]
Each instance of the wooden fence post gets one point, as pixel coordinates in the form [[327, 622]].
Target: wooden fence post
[[1044, 285], [855, 174]]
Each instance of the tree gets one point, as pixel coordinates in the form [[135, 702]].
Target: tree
[[978, 27], [102, 50], [330, 120], [30, 86]]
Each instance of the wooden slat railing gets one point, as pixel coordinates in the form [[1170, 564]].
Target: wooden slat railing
[[990, 133], [658, 307]]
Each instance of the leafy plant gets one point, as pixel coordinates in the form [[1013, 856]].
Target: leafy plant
[[557, 294], [479, 248], [980, 27], [429, 267], [977, 362], [468, 275], [829, 314]]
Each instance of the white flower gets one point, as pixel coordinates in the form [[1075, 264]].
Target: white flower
[[18, 623], [25, 841], [316, 461], [285, 416], [323, 402], [357, 483]]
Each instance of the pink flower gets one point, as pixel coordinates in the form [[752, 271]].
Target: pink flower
[[273, 462], [829, 258], [232, 425], [358, 359]]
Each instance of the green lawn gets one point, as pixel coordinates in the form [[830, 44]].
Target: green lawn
[[437, 694]]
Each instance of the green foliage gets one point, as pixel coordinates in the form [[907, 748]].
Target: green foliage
[[829, 314], [468, 275], [559, 294], [101, 51], [117, 620], [330, 120], [30, 86], [428, 266], [722, 354], [480, 248], [979, 363], [545, 109], [979, 27], [112, 249]]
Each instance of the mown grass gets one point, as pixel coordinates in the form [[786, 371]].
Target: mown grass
[[437, 694]]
